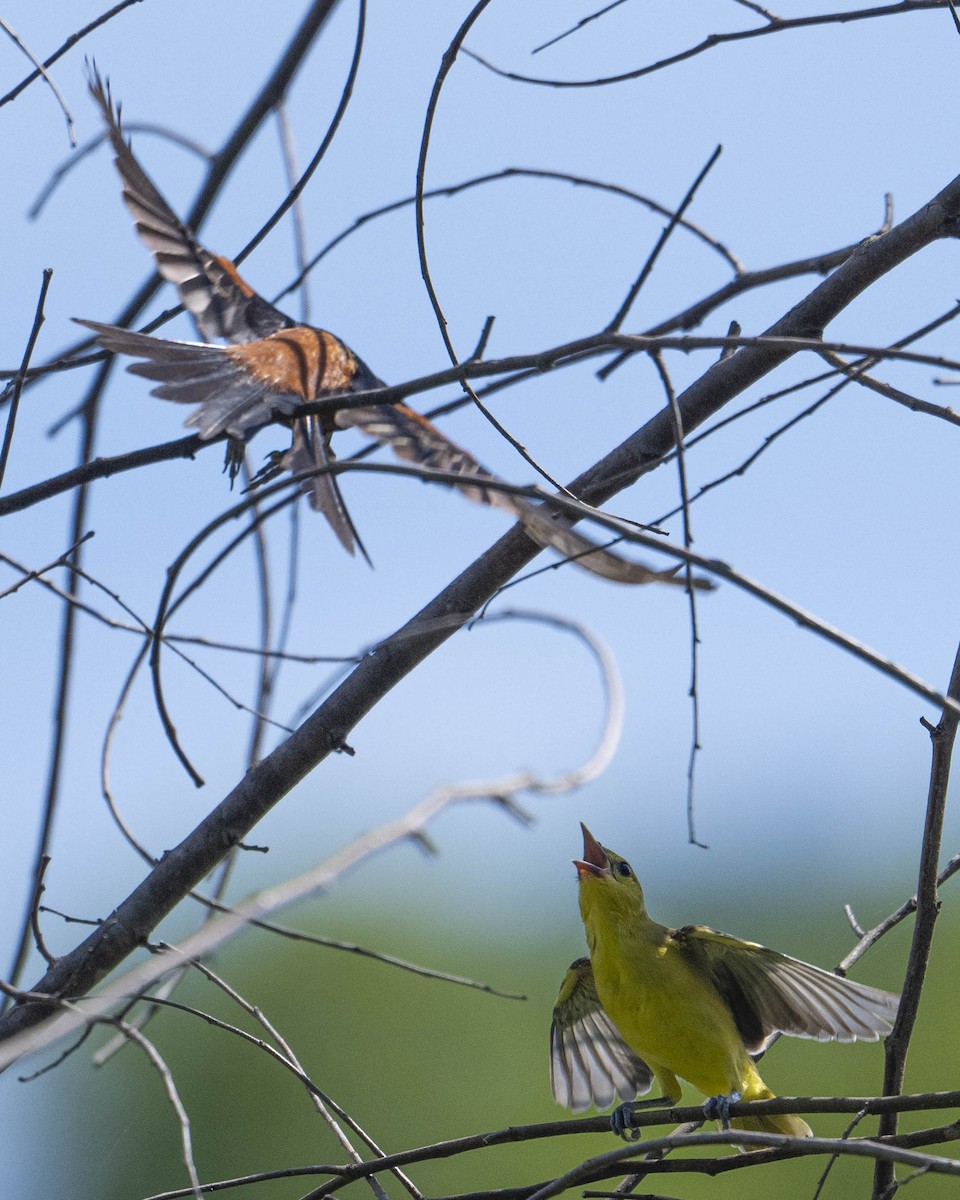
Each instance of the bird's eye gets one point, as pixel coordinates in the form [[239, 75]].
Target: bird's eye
[[623, 868]]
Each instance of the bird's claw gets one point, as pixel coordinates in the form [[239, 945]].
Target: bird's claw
[[620, 1123], [718, 1108], [272, 467], [233, 458]]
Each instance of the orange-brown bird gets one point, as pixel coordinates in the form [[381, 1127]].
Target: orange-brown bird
[[273, 366]]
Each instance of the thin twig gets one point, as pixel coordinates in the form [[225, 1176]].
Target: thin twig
[[510, 173], [621, 314], [323, 1107], [21, 375], [139, 627], [601, 12], [168, 606], [68, 44], [835, 1158], [41, 70], [35, 911], [80, 153], [268, 670], [858, 374], [296, 191], [691, 595], [157, 1062], [298, 224], [446, 64], [851, 374], [745, 281], [37, 573], [872, 936], [780, 25], [579, 25]]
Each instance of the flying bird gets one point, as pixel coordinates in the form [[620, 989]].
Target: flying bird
[[272, 366], [694, 1004]]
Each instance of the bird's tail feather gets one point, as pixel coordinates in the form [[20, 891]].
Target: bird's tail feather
[[786, 1124]]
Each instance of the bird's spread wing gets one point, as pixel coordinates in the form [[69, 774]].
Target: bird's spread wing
[[221, 303], [590, 1063], [769, 992], [239, 388], [231, 398], [415, 439]]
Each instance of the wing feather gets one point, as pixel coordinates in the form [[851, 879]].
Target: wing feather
[[771, 993], [590, 1063], [230, 400], [221, 303]]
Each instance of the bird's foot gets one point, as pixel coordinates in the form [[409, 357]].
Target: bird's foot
[[718, 1108], [272, 467], [620, 1120]]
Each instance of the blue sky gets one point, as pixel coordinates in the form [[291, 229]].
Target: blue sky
[[813, 765]]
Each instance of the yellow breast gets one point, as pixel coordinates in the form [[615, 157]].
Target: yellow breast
[[669, 1014]]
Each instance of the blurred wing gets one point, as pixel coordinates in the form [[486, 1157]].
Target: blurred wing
[[221, 303], [414, 439], [546, 530], [590, 1063], [769, 992]]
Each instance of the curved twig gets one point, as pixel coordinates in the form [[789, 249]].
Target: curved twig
[[68, 44], [776, 25]]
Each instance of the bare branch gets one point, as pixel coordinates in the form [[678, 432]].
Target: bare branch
[[621, 314], [68, 44], [872, 936], [691, 596], [942, 736], [622, 1158], [41, 70], [601, 12], [156, 1061], [22, 374], [779, 347], [775, 25]]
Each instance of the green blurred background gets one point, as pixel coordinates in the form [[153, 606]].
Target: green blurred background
[[416, 1060]]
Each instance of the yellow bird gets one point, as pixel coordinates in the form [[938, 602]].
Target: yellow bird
[[693, 1004]]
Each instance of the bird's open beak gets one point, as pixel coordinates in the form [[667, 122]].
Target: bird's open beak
[[594, 861]]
